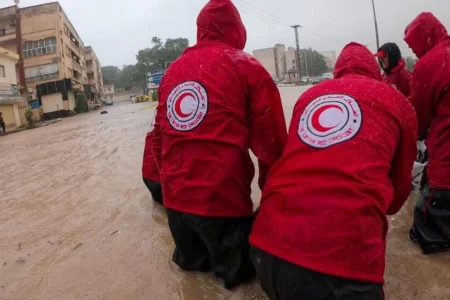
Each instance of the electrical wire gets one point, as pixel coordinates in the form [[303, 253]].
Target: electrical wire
[[254, 10]]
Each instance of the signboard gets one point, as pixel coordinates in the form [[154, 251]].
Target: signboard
[[154, 78], [34, 104], [9, 93], [42, 72]]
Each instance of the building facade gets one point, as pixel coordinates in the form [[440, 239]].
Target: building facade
[[94, 75], [273, 60], [52, 64], [10, 97], [281, 63]]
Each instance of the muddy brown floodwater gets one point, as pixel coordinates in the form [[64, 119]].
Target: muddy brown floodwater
[[76, 221]]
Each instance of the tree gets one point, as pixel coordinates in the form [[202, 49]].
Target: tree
[[317, 64], [160, 54], [110, 74], [130, 77]]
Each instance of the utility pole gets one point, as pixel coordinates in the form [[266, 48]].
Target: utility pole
[[297, 54], [376, 24]]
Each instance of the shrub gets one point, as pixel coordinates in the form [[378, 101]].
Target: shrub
[[29, 116]]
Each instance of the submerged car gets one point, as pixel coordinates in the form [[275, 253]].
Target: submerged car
[[109, 102]]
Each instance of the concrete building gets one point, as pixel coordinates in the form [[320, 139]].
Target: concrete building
[[108, 90], [10, 97], [273, 60], [52, 61], [94, 73]]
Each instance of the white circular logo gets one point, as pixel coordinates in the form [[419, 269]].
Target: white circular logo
[[187, 106], [329, 120], [152, 124]]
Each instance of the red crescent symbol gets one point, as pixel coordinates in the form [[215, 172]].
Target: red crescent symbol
[[177, 107], [316, 115]]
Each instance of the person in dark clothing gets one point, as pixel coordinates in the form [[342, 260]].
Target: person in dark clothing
[[393, 65], [429, 40], [2, 123], [216, 103]]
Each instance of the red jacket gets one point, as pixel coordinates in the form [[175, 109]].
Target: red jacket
[[399, 78], [216, 103], [347, 163], [150, 169], [430, 96]]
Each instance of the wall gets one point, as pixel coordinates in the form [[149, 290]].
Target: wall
[[267, 58], [52, 102], [10, 70], [40, 22], [290, 60], [280, 61], [72, 102], [8, 116]]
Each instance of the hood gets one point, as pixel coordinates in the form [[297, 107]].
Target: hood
[[392, 51], [220, 21], [356, 59], [424, 32]]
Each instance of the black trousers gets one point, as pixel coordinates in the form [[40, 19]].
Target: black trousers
[[155, 189], [3, 125], [431, 228], [284, 281], [213, 244]]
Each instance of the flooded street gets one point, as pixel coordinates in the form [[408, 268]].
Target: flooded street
[[77, 222]]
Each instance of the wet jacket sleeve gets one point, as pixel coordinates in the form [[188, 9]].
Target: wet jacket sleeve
[[268, 126], [157, 135], [405, 83], [401, 170], [421, 97]]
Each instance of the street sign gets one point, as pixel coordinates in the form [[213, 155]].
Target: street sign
[[154, 78]]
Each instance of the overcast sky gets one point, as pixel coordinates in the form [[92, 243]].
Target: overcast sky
[[118, 29]]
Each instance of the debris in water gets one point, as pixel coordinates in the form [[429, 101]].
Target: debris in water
[[4, 263], [20, 260], [103, 112], [77, 246], [20, 246], [115, 232]]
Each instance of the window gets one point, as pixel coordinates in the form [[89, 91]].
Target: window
[[2, 32], [2, 71], [41, 47]]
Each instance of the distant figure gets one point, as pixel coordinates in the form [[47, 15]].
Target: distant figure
[[394, 67], [2, 123], [321, 230], [429, 40], [216, 103]]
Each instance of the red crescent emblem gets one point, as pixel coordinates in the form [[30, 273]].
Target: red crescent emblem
[[316, 115], [177, 107]]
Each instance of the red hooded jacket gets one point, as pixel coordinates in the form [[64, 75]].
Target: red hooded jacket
[[347, 163], [399, 78], [216, 103], [430, 96], [150, 169]]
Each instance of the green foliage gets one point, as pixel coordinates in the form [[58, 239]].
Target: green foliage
[[110, 74], [159, 56], [29, 116], [81, 104], [317, 64]]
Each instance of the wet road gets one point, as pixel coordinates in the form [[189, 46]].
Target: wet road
[[76, 221]]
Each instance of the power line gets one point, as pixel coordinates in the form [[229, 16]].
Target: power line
[[253, 12], [262, 12]]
